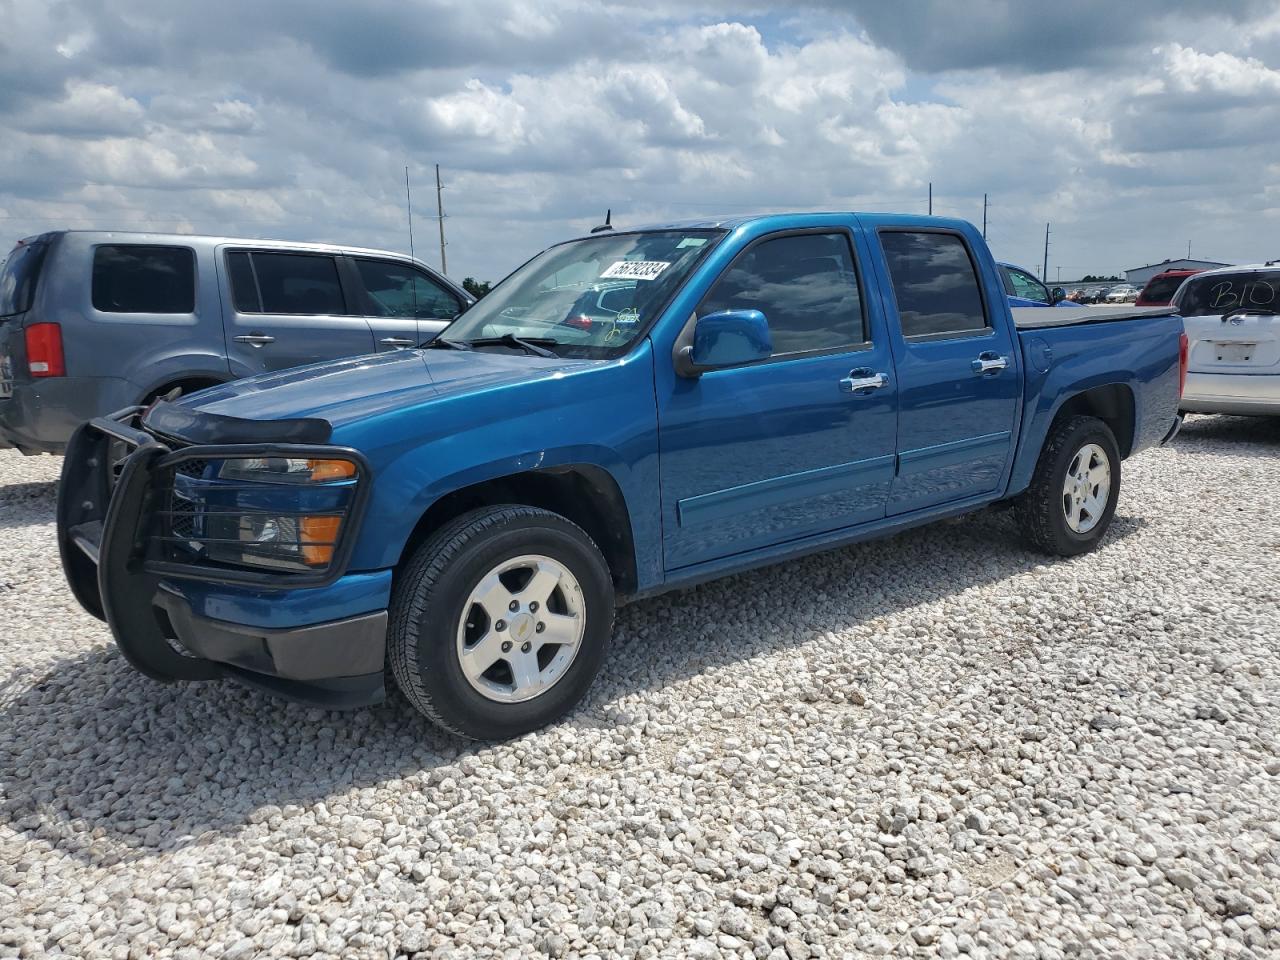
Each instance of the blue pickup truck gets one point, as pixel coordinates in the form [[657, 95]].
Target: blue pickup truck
[[628, 412]]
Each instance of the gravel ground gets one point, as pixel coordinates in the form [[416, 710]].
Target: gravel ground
[[933, 745]]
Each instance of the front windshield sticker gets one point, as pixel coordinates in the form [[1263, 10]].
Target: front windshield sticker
[[691, 242], [635, 270]]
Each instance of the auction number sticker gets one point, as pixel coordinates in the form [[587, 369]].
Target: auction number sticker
[[635, 270]]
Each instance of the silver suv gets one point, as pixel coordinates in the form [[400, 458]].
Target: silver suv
[[92, 322]]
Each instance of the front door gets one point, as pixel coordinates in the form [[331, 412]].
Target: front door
[[958, 370], [288, 309], [799, 444]]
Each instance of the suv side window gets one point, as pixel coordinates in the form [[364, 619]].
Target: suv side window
[[400, 290], [304, 284], [140, 278], [1027, 286], [934, 283], [805, 285]]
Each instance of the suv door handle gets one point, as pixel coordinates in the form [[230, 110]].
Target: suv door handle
[[257, 339], [398, 342], [989, 362], [863, 381]]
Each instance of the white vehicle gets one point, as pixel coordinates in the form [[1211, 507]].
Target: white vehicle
[[1124, 293], [1234, 334]]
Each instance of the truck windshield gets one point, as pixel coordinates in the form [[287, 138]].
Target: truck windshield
[[590, 297], [18, 276], [1217, 293]]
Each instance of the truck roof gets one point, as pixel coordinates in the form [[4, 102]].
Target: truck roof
[[784, 221]]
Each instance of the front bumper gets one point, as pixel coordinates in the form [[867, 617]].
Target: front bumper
[[163, 626]]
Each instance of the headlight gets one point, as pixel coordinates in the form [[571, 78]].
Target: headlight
[[283, 470], [283, 513]]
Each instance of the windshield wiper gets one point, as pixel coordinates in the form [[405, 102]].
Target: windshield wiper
[[1248, 312], [440, 343], [531, 345]]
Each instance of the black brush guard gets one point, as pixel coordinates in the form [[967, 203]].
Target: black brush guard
[[107, 517]]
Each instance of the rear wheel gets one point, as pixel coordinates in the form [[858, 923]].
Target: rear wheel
[[1073, 494], [501, 621]]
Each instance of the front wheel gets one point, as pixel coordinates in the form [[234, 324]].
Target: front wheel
[[1072, 497], [501, 621]]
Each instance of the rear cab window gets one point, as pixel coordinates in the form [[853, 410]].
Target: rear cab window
[[142, 278], [935, 285], [806, 286], [294, 284], [19, 275]]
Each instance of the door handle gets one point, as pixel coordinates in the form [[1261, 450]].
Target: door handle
[[863, 381], [398, 342], [989, 362], [257, 339]]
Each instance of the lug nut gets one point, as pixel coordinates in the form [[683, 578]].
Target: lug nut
[[514, 606], [500, 625], [525, 647], [540, 627], [533, 607], [506, 646]]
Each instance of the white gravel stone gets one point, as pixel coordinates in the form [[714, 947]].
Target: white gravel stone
[[937, 745]]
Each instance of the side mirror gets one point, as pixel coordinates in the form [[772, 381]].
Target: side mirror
[[730, 338], [1058, 294]]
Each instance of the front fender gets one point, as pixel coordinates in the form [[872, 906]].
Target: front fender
[[604, 418]]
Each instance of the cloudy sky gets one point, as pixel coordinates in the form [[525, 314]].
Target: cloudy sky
[[1134, 127]]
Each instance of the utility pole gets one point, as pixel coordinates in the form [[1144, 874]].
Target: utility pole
[[984, 216], [1188, 249], [408, 203], [931, 198], [1059, 280], [1044, 271], [440, 217]]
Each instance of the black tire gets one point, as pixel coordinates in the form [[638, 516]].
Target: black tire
[[427, 604], [1040, 509]]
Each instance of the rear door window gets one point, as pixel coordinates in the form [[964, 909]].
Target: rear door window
[[138, 278], [301, 284], [400, 290], [934, 284]]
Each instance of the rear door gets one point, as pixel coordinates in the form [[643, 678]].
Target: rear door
[[285, 308], [959, 380], [403, 304], [1232, 328]]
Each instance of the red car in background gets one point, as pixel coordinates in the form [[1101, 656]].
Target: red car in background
[[1160, 289]]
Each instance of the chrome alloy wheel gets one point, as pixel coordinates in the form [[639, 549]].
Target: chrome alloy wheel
[[1087, 488], [521, 628]]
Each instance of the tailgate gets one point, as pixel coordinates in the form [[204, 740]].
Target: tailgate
[[1240, 344]]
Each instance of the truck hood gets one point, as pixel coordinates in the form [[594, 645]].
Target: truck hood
[[341, 391]]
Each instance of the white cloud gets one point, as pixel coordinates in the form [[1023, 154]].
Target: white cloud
[[294, 119]]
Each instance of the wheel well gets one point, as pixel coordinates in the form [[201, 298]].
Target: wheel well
[[1112, 404], [188, 385], [584, 494]]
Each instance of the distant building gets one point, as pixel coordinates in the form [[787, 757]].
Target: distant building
[[1138, 276]]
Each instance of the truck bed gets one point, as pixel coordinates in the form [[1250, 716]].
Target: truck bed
[[1035, 318]]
